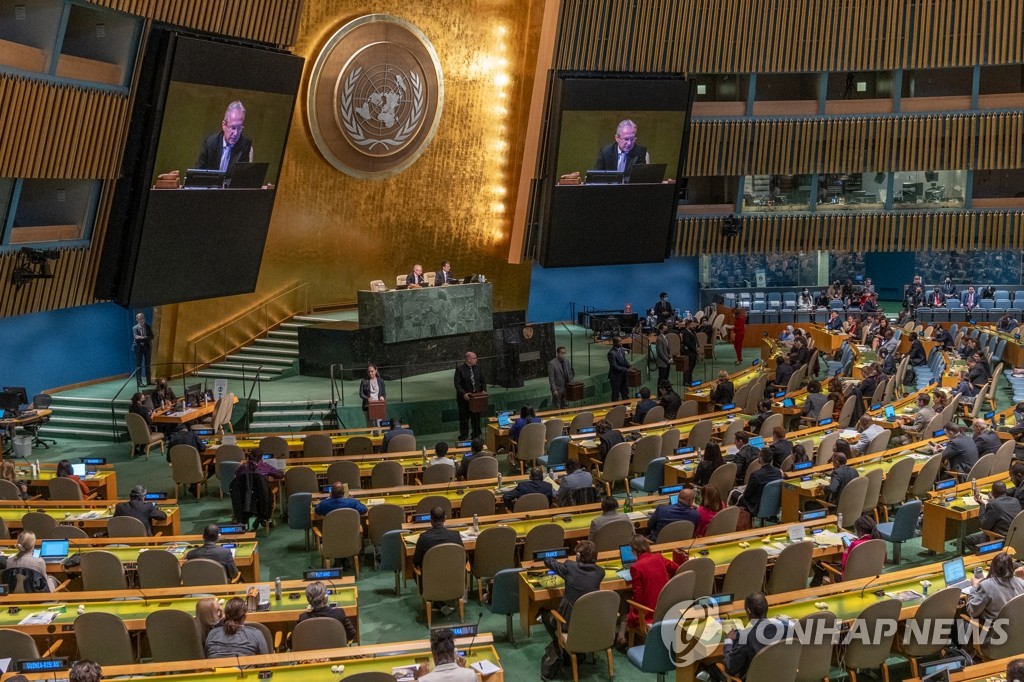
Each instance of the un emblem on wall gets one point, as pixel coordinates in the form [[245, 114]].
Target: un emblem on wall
[[375, 96]]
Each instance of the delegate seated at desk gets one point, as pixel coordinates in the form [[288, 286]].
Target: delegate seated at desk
[[415, 278], [137, 507], [221, 151], [444, 275], [624, 153], [214, 552]]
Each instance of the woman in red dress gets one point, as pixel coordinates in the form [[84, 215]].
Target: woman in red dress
[[739, 328], [649, 575]]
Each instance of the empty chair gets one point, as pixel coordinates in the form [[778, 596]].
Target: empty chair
[[616, 416], [903, 527], [173, 636], [879, 443], [140, 435], [319, 633], [676, 531], [126, 527], [187, 469], [644, 450], [103, 638], [700, 434], [745, 574], [687, 409], [654, 415], [344, 471], [895, 485], [769, 424], [17, 646], [439, 473], [317, 445], [301, 480], [872, 492], [387, 474], [403, 442], [925, 479], [792, 568], [392, 556], [592, 627], [482, 468], [341, 537], [39, 523], [531, 502], [381, 519], [158, 568], [102, 570], [505, 598], [936, 608], [273, 445], [582, 420], [816, 652], [873, 652], [495, 551], [479, 502], [615, 467], [530, 446], [438, 577], [541, 537], [428, 502], [851, 500], [557, 451], [613, 535], [723, 479], [652, 479], [226, 471], [66, 533], [195, 572], [553, 428], [703, 569], [358, 445], [10, 491]]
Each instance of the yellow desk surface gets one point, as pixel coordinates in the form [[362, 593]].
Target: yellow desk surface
[[702, 392], [298, 667], [103, 481], [409, 496], [539, 590], [946, 512], [83, 514]]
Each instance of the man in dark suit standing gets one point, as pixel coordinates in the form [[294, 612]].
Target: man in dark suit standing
[[618, 366], [444, 275], [221, 151], [560, 373], [469, 378], [142, 344], [624, 153]]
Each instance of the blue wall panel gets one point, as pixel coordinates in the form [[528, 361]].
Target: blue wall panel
[[552, 290], [60, 347]]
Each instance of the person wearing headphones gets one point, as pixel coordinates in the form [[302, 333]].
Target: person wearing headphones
[[137, 507]]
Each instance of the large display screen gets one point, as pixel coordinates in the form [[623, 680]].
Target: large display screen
[[611, 171], [201, 168]]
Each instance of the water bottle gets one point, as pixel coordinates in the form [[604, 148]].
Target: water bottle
[[627, 507], [35, 469], [476, 523], [424, 454], [839, 522], [499, 480], [277, 588], [974, 486]]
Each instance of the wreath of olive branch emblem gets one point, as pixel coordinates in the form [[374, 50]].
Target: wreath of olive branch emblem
[[355, 131]]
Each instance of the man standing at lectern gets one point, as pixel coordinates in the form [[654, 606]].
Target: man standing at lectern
[[221, 151], [624, 153], [469, 378]]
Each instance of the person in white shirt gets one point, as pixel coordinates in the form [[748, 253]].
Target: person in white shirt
[[448, 665], [441, 455]]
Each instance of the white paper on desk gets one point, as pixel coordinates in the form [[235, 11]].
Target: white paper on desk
[[40, 618], [264, 590], [374, 501], [797, 532], [229, 440], [485, 667], [849, 433]]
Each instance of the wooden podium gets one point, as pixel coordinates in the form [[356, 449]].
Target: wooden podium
[[478, 402], [574, 391], [377, 409], [633, 377]]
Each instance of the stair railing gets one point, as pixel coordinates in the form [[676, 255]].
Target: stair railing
[[247, 326]]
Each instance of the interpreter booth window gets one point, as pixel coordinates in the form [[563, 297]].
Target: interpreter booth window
[[28, 33], [861, 92], [842, 192], [928, 190], [51, 211], [710, 190], [998, 188], [1001, 87], [730, 271], [720, 94], [776, 193]]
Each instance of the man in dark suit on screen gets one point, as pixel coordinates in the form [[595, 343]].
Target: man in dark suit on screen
[[469, 378], [624, 152], [221, 151]]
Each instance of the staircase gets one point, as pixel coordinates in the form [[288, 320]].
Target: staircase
[[277, 353], [86, 418], [291, 415]]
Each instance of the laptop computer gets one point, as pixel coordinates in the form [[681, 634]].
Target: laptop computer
[[78, 470], [787, 402], [756, 442], [955, 574], [890, 413], [628, 558], [248, 175], [647, 173], [604, 177], [53, 551], [934, 671], [504, 421]]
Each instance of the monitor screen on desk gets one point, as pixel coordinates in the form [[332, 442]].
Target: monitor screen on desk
[[9, 403], [20, 390]]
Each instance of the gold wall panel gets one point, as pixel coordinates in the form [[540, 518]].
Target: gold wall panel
[[772, 36], [338, 233], [59, 131], [267, 21], [911, 231], [855, 145]]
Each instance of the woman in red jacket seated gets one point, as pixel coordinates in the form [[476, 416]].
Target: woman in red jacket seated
[[649, 575], [710, 504]]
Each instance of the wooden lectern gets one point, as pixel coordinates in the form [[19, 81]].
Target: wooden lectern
[[633, 378], [574, 391], [478, 402], [376, 409]]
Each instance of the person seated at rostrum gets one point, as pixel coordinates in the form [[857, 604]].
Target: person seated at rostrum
[[990, 594], [960, 453], [742, 645], [814, 401], [838, 480], [449, 665], [724, 391], [320, 607], [437, 534], [527, 415], [985, 437], [994, 516]]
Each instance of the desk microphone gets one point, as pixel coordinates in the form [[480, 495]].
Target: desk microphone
[[145, 599], [469, 649], [241, 670], [866, 586]]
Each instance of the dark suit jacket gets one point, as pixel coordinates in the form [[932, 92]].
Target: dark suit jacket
[[671, 402], [141, 510], [463, 383], [752, 639], [998, 513], [433, 537], [608, 157], [390, 434], [618, 363], [840, 477], [213, 147], [960, 454], [751, 498], [413, 278], [214, 552], [987, 441], [364, 390], [527, 487], [442, 277]]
